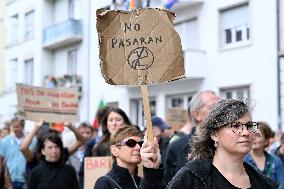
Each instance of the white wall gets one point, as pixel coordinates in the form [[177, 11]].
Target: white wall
[[253, 65]]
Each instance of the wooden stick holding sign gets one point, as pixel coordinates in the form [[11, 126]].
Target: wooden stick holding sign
[[147, 112], [139, 48]]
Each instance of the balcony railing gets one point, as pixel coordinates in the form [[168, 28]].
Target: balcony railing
[[195, 63], [62, 34], [179, 4]]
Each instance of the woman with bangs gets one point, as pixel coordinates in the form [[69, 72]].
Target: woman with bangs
[[218, 150], [125, 147], [264, 162], [52, 172]]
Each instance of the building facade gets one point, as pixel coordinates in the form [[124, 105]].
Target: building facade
[[20, 53], [44, 46], [2, 42], [230, 47], [280, 61]]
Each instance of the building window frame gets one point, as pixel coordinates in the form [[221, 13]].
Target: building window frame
[[29, 24], [235, 92], [12, 74], [73, 9], [29, 71], [182, 29], [178, 100], [72, 62], [13, 29], [235, 34], [137, 111]]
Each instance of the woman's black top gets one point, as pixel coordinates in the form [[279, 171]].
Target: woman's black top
[[220, 181], [49, 175]]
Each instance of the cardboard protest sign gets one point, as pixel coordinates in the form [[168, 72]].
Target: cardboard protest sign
[[139, 46], [176, 118], [95, 167], [53, 105]]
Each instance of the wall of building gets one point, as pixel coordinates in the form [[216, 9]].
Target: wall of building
[[252, 65], [281, 21], [2, 43]]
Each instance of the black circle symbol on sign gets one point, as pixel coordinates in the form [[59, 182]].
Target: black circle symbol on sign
[[140, 58]]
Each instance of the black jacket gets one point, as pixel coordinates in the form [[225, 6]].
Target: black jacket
[[56, 175], [176, 157], [197, 175], [120, 178]]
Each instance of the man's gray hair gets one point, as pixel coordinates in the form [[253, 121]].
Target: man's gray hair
[[197, 103]]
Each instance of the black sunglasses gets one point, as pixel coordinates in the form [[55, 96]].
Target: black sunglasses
[[130, 143]]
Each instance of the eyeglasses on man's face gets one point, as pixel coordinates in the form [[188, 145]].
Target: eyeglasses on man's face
[[238, 127], [130, 143]]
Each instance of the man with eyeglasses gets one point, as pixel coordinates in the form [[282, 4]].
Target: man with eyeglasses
[[127, 152]]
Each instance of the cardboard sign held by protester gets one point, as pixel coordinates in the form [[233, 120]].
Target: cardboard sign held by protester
[[96, 167], [176, 118], [54, 105], [139, 46]]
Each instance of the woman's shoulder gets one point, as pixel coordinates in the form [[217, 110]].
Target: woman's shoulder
[[274, 159], [37, 169], [68, 167], [259, 178], [193, 174], [103, 182]]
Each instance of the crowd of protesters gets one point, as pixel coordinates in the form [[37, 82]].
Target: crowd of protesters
[[220, 146]]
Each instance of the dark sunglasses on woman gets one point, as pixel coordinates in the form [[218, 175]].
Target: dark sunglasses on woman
[[130, 143]]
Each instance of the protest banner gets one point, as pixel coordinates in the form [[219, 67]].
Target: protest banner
[[176, 118], [95, 167], [51, 104], [139, 47]]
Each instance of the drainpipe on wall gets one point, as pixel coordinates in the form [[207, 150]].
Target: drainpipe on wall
[[278, 65], [88, 60]]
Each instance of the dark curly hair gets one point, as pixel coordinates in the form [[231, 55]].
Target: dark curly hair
[[221, 114]]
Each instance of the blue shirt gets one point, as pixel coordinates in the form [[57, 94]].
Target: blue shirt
[[15, 160], [273, 168]]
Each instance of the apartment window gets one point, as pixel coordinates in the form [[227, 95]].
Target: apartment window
[[188, 32], [12, 73], [72, 62], [29, 24], [29, 71], [112, 104], [13, 29], [236, 92], [178, 101], [235, 26], [74, 9], [137, 111]]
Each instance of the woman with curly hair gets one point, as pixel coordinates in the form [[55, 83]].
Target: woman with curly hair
[[218, 150]]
